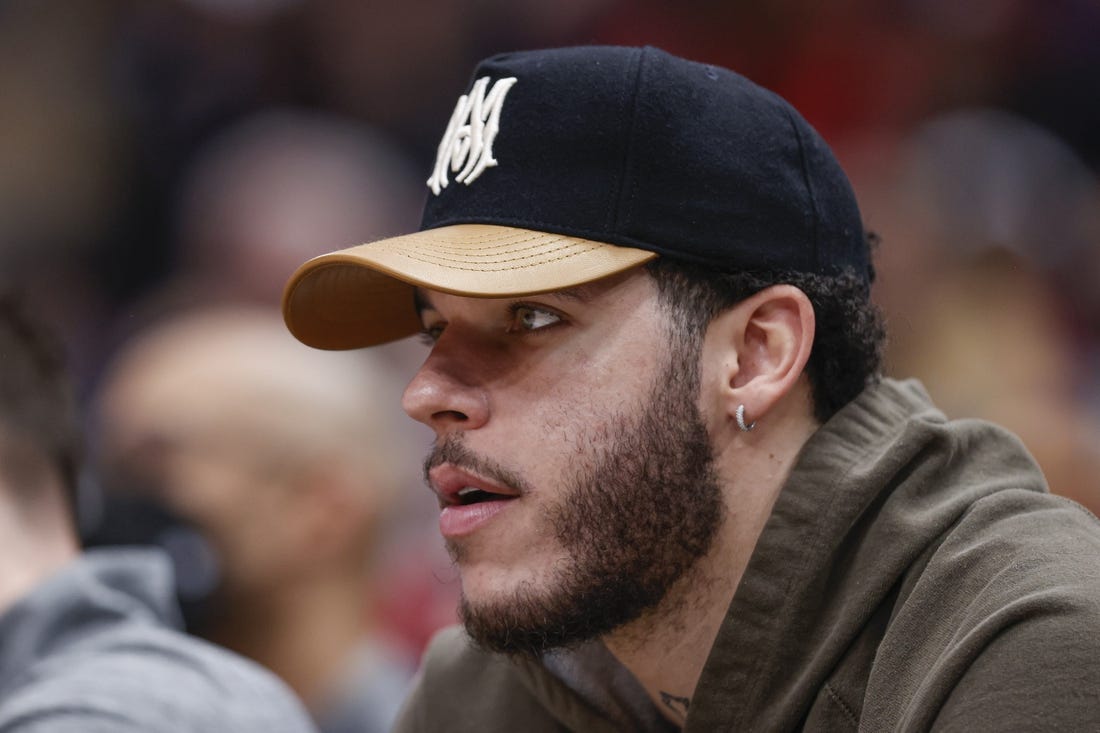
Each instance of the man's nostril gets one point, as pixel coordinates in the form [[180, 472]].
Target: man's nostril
[[450, 416]]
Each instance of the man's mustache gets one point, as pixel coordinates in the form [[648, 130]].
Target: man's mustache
[[454, 451]]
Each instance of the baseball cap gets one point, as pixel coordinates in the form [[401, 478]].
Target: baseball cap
[[562, 166]]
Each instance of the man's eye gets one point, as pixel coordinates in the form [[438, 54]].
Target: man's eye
[[527, 318], [430, 334]]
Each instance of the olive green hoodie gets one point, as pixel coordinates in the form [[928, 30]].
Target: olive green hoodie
[[914, 575]]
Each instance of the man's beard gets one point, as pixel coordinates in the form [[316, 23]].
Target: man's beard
[[642, 507]]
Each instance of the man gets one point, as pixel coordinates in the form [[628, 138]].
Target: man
[[86, 641], [674, 486], [283, 463]]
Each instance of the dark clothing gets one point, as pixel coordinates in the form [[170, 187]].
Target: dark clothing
[[914, 575], [91, 649]]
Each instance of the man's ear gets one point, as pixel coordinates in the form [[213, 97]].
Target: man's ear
[[760, 347]]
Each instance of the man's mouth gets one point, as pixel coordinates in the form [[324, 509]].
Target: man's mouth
[[458, 487], [466, 500]]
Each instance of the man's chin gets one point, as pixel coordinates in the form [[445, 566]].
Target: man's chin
[[529, 624], [505, 634]]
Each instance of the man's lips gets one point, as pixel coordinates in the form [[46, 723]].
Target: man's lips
[[458, 487], [466, 501]]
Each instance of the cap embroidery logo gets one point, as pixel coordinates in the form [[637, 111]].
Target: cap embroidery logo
[[467, 145]]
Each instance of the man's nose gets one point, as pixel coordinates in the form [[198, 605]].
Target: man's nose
[[446, 394]]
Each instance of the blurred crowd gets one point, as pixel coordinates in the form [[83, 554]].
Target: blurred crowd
[[166, 164]]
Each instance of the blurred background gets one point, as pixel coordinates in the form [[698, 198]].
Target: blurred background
[[161, 157]]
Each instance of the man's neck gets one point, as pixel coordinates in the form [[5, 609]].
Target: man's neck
[[667, 649], [30, 551]]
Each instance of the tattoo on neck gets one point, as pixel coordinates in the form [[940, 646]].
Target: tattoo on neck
[[677, 704]]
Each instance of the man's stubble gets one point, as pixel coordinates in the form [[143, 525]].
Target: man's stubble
[[643, 505]]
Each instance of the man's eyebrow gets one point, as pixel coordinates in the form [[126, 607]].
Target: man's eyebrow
[[582, 293]]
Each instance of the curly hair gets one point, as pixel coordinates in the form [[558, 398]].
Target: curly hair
[[849, 337]]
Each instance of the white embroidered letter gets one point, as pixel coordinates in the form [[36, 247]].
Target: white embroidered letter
[[467, 145]]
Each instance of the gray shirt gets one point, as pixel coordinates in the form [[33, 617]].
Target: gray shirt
[[94, 648]]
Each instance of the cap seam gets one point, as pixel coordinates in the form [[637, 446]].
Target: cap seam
[[486, 245], [499, 265], [548, 227], [811, 193], [515, 256], [597, 237], [615, 216]]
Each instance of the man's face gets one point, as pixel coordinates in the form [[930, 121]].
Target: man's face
[[573, 468]]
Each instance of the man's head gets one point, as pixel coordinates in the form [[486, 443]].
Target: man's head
[[40, 443], [623, 253]]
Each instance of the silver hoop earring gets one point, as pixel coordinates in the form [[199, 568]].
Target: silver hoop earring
[[741, 420]]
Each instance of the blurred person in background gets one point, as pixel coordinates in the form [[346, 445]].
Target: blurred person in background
[[993, 343], [258, 197], [88, 640], [286, 465], [989, 282]]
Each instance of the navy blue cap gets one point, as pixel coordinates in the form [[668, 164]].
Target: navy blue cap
[[551, 155]]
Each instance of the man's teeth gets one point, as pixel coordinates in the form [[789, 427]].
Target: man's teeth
[[474, 495]]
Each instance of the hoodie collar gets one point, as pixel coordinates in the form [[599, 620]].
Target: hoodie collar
[[869, 492]]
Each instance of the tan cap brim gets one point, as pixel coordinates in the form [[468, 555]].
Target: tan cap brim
[[363, 295]]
